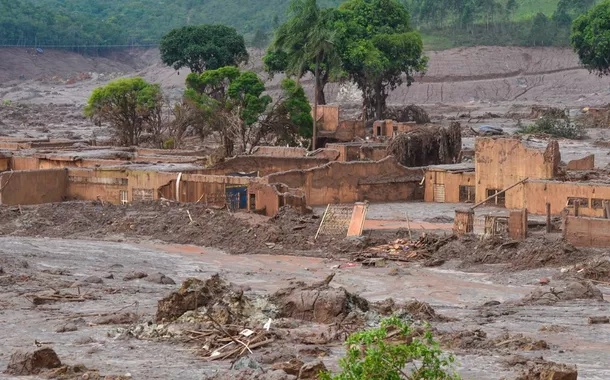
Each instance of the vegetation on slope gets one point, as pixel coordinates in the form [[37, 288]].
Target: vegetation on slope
[[443, 23]]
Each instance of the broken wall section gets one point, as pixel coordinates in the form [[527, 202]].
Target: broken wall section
[[33, 187], [348, 182], [502, 162], [587, 232]]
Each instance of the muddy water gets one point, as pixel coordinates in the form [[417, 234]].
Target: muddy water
[[450, 292]]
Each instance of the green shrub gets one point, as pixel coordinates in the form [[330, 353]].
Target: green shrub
[[375, 354], [562, 128]]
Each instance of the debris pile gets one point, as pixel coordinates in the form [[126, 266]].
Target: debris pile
[[541, 369], [52, 296], [572, 291], [407, 113], [408, 250], [430, 145]]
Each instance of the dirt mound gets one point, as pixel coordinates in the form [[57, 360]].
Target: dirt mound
[[572, 291], [535, 252], [214, 293], [317, 303], [540, 369], [164, 221], [428, 145], [32, 363]]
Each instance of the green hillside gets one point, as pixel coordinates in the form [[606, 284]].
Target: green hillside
[[443, 23]]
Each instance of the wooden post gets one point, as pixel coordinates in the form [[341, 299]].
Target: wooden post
[[576, 207], [549, 228], [607, 208]]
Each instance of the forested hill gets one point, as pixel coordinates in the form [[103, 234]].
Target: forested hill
[[443, 23]]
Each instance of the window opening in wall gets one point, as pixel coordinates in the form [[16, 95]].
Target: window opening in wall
[[378, 131], [467, 194], [599, 204], [252, 201], [123, 195], [499, 200], [582, 202], [439, 193]]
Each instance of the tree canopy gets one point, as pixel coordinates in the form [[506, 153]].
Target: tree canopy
[[205, 47], [591, 38], [236, 107], [379, 48], [127, 105]]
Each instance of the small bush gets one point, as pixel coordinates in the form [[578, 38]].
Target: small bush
[[391, 352], [562, 128]]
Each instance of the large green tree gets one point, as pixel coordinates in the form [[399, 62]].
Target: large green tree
[[128, 105], [306, 23], [591, 38], [379, 48], [306, 43], [205, 47]]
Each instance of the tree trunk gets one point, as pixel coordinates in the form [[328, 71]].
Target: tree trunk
[[378, 101], [315, 104], [321, 82]]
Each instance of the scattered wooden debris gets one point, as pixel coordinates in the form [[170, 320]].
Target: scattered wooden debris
[[228, 342], [598, 320], [56, 296]]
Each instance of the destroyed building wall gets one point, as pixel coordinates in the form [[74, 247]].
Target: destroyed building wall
[[349, 130], [359, 151], [389, 128], [33, 187], [116, 184], [587, 232], [269, 198], [5, 161], [347, 182], [279, 151], [263, 165], [209, 189], [534, 195], [502, 162], [585, 163], [449, 187], [327, 117], [325, 153]]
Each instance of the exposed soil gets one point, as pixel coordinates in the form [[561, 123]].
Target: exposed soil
[[535, 252], [288, 232]]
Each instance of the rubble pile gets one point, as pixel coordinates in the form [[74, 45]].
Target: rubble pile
[[429, 145], [572, 291]]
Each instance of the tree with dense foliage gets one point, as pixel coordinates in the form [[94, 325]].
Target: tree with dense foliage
[[286, 54], [375, 354], [305, 43], [234, 106], [591, 38], [379, 49], [128, 105], [205, 47]]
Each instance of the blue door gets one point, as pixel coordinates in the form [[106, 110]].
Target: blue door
[[237, 197]]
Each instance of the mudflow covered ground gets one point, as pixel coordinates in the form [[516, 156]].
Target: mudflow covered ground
[[139, 291]]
